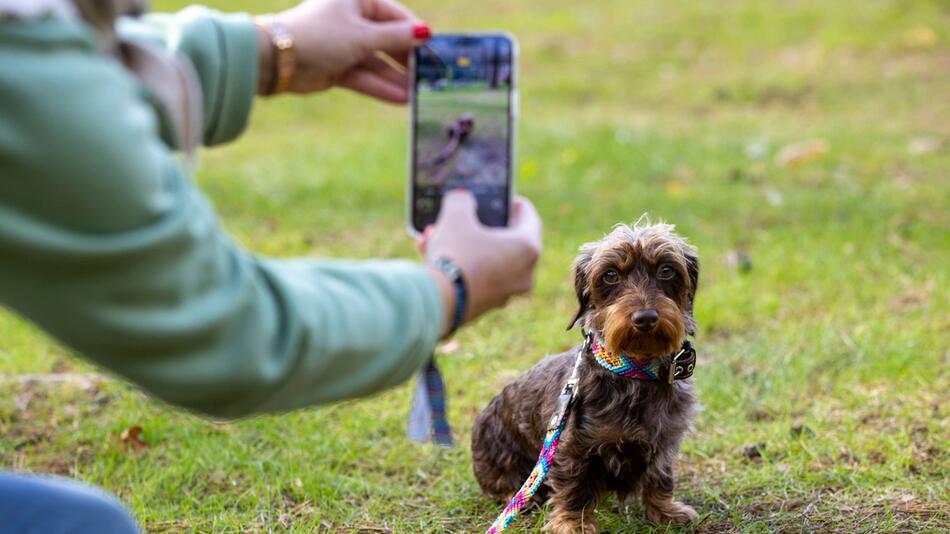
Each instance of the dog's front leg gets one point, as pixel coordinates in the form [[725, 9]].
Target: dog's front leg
[[576, 490], [658, 502]]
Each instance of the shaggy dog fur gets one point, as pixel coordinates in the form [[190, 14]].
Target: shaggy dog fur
[[622, 434]]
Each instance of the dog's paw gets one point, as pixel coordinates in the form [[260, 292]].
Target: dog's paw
[[670, 513], [563, 524]]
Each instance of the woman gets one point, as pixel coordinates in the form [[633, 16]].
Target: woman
[[107, 244]]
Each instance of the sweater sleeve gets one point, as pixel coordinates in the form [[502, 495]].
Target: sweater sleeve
[[107, 244], [223, 50]]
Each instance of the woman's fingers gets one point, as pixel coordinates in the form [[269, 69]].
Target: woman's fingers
[[373, 84], [394, 29], [385, 70], [401, 57], [386, 10], [378, 78], [334, 38], [396, 36]]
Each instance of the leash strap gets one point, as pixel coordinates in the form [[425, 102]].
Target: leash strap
[[552, 439], [427, 418]]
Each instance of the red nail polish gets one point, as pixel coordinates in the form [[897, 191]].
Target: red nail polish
[[421, 31]]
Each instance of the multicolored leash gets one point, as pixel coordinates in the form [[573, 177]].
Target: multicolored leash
[[551, 441], [427, 418]]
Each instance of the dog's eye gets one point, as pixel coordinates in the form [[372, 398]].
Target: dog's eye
[[665, 272], [611, 277]]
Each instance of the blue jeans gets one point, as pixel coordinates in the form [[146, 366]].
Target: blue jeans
[[53, 505]]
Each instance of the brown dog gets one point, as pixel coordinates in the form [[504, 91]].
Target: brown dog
[[635, 288]]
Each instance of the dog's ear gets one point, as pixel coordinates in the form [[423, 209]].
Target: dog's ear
[[692, 270], [579, 270]]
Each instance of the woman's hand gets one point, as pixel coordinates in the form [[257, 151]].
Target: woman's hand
[[496, 263], [339, 43]]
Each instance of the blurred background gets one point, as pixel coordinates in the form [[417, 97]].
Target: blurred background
[[802, 145]]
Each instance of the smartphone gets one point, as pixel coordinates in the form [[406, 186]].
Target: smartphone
[[462, 115]]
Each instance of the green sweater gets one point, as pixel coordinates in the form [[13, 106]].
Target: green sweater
[[107, 244]]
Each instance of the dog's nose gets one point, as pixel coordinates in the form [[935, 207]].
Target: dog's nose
[[645, 320]]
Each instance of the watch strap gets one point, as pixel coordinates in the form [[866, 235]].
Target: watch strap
[[452, 271]]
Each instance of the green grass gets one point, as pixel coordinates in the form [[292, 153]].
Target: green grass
[[830, 353]]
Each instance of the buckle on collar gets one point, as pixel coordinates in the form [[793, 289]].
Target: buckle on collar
[[682, 364]]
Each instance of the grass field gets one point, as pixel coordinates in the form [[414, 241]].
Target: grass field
[[802, 145]]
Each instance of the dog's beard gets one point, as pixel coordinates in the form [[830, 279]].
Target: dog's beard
[[621, 335]]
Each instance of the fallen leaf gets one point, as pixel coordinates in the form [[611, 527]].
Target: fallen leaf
[[909, 504], [131, 438], [903, 179], [449, 346], [739, 259], [568, 156], [218, 478], [774, 197], [756, 149], [919, 146], [529, 168], [847, 457], [795, 154], [910, 299], [23, 400], [623, 136], [753, 452], [676, 188], [170, 525], [84, 381], [799, 429], [920, 37]]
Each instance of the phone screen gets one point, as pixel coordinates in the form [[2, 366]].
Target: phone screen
[[462, 124]]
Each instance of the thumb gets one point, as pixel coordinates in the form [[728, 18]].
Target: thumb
[[525, 216], [458, 207], [526, 221], [397, 36]]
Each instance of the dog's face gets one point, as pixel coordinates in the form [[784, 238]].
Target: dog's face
[[635, 289]]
